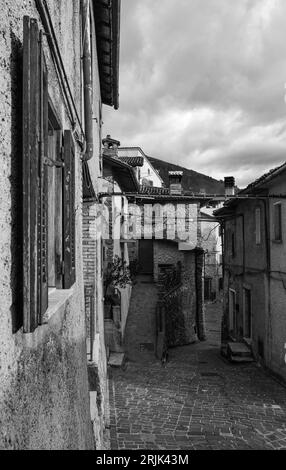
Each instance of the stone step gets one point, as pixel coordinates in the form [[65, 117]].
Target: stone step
[[238, 349], [116, 359], [241, 359], [239, 352]]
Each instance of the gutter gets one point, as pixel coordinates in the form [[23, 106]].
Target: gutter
[[87, 80], [116, 5], [268, 270]]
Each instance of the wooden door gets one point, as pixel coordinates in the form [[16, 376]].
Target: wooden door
[[232, 312], [146, 256]]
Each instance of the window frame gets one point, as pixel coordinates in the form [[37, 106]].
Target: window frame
[[37, 109], [279, 238], [230, 293], [258, 226], [233, 243], [56, 126]]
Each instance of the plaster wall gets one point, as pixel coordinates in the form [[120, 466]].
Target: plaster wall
[[44, 399]]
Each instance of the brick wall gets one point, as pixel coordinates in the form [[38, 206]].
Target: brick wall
[[89, 244]]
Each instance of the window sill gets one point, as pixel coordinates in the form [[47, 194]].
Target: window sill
[[277, 242], [57, 301]]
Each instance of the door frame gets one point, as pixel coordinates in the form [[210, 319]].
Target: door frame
[[232, 320], [247, 288]]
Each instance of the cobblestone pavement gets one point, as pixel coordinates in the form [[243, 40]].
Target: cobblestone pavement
[[197, 401]]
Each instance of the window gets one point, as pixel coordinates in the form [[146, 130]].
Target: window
[[258, 225], [232, 244], [55, 201], [122, 251], [277, 216], [208, 288], [48, 222]]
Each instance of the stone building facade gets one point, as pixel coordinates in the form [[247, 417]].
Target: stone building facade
[[254, 269], [211, 243], [146, 174], [50, 110], [160, 250], [187, 311]]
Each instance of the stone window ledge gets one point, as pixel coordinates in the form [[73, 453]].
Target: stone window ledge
[[57, 301], [96, 349]]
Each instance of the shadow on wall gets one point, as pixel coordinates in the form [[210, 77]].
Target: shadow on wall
[[16, 68]]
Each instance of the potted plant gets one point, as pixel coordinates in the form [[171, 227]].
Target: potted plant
[[117, 275]]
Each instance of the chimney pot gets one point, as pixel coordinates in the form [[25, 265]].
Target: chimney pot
[[175, 180], [110, 146], [229, 185]]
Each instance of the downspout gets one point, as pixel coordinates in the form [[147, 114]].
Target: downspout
[[223, 321], [222, 248], [268, 269], [87, 79]]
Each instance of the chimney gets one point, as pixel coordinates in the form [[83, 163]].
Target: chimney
[[175, 181], [110, 146], [229, 186]]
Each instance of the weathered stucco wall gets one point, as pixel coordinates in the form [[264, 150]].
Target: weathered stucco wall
[[267, 285], [276, 325], [44, 401], [246, 268]]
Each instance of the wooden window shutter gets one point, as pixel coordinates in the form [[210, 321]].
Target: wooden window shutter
[[69, 211], [35, 109]]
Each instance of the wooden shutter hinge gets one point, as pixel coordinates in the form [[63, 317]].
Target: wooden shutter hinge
[[51, 163]]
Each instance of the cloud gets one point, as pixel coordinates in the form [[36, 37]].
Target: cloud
[[202, 84]]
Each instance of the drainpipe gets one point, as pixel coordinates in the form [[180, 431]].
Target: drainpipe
[[268, 270], [87, 79]]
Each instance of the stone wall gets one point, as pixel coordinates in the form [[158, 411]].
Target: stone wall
[[190, 307]]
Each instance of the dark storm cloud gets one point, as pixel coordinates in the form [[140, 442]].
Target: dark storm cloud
[[202, 83]]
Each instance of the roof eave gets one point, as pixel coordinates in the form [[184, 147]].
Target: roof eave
[[107, 21], [268, 178], [123, 171]]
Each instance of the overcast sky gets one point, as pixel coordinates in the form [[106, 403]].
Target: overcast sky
[[202, 84]]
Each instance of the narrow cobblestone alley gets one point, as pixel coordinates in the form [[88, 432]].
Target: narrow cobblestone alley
[[197, 401]]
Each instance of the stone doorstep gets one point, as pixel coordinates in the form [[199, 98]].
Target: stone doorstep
[[238, 349], [241, 359], [116, 359]]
